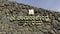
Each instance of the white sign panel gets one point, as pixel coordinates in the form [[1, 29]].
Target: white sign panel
[[31, 11]]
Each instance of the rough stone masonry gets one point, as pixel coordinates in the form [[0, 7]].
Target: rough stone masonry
[[10, 9]]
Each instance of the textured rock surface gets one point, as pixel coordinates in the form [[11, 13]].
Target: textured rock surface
[[13, 9]]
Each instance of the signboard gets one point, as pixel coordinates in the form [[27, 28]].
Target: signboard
[[31, 11]]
